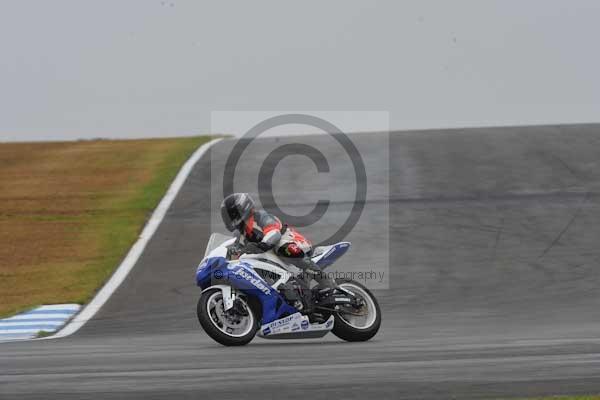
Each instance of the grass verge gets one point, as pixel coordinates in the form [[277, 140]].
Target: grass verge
[[70, 211]]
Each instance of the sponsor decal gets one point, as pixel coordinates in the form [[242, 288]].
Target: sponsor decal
[[304, 324], [243, 273], [334, 249], [266, 331], [295, 327], [343, 299], [328, 324], [282, 321], [329, 252]]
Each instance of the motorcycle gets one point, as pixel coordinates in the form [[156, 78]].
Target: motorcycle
[[245, 294]]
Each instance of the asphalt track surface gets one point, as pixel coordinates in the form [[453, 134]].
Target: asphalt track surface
[[493, 275]]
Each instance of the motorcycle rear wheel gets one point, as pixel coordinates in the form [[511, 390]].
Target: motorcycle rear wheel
[[352, 328]]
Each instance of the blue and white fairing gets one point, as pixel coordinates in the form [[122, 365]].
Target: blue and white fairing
[[326, 255], [231, 276], [240, 275]]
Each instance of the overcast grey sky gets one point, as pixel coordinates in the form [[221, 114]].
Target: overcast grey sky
[[81, 69]]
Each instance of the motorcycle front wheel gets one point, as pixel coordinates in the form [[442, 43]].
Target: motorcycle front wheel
[[357, 325], [234, 327]]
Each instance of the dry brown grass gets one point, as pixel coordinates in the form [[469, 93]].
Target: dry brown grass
[[69, 212]]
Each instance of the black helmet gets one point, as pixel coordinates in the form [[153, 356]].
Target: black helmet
[[235, 209]]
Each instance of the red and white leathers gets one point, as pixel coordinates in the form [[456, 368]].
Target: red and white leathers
[[268, 232]]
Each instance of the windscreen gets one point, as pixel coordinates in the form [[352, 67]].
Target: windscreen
[[216, 239]]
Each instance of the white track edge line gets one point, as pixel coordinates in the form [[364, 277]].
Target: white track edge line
[[89, 310]]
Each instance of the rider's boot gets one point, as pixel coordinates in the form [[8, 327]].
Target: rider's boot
[[325, 283], [310, 271]]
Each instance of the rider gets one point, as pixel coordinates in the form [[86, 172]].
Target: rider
[[264, 231], [261, 231]]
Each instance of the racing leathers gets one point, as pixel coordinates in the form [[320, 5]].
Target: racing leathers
[[267, 232]]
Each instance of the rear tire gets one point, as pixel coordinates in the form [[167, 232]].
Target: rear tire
[[209, 322], [343, 328]]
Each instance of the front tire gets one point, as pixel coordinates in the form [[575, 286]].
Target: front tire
[[229, 328], [353, 328]]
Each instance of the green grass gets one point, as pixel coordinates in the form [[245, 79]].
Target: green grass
[[119, 231], [69, 212]]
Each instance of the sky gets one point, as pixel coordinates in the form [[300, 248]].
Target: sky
[[126, 68]]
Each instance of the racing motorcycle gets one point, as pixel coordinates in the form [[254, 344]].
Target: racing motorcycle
[[245, 294]]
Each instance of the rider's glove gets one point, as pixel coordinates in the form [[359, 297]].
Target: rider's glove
[[253, 248]]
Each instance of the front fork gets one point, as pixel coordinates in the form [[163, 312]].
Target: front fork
[[229, 295]]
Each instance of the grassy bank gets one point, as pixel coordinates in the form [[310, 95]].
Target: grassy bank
[[70, 211]]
